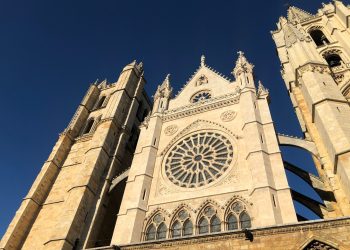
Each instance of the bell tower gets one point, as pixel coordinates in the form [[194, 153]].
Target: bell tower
[[71, 204], [314, 50]]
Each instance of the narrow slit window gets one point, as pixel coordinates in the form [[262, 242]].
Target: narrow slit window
[[144, 194], [154, 142], [274, 200]]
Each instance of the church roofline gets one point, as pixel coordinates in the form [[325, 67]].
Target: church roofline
[[202, 64]]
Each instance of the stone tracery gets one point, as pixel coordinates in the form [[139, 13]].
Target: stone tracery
[[199, 159]]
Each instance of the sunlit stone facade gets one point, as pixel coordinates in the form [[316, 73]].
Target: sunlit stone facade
[[202, 169]]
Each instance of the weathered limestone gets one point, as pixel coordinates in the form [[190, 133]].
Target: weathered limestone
[[69, 194], [208, 104], [314, 51]]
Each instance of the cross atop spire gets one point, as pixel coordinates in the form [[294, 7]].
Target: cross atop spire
[[242, 65]]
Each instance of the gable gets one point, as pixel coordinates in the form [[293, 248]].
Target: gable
[[204, 80]]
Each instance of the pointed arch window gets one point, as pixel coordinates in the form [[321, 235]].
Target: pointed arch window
[[176, 229], [161, 231], [215, 224], [237, 216], [182, 225], [318, 37], [245, 220], [232, 223], [203, 226], [209, 221], [156, 229], [151, 232], [188, 228]]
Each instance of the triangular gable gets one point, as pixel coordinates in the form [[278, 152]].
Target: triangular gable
[[204, 78], [296, 14]]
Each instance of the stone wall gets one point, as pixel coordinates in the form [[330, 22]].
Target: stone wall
[[335, 233]]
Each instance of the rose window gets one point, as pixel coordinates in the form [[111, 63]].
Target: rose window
[[200, 96], [199, 159]]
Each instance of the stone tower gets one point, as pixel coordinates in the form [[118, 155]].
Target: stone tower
[[314, 51], [207, 161], [70, 205]]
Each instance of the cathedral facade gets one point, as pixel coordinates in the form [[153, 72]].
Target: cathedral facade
[[203, 168]]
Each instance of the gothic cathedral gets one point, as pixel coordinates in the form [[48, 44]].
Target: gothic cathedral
[[203, 168]]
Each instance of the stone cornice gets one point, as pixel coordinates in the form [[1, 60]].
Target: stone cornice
[[239, 234], [199, 107], [311, 67]]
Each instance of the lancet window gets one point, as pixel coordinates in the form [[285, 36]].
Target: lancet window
[[182, 225], [237, 217], [209, 221], [156, 228]]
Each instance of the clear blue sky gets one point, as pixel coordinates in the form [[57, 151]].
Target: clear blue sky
[[52, 50]]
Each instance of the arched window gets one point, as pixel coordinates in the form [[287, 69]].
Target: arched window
[[232, 223], [161, 231], [88, 126], [234, 211], [188, 228], [333, 60], [209, 221], [203, 226], [100, 102], [156, 230], [176, 229], [318, 37], [151, 232], [182, 225], [245, 220], [215, 224]]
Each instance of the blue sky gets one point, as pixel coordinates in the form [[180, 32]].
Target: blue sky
[[52, 50]]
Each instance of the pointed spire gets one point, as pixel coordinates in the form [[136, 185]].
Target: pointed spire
[[164, 90], [202, 60], [96, 82], [295, 14], [102, 84], [140, 66], [166, 82], [262, 91], [242, 65]]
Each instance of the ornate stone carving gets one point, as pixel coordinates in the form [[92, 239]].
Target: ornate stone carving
[[201, 80], [171, 129], [146, 120], [199, 107], [228, 115], [199, 159], [194, 126], [312, 67]]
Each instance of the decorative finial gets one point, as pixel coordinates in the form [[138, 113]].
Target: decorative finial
[[240, 53], [202, 60]]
